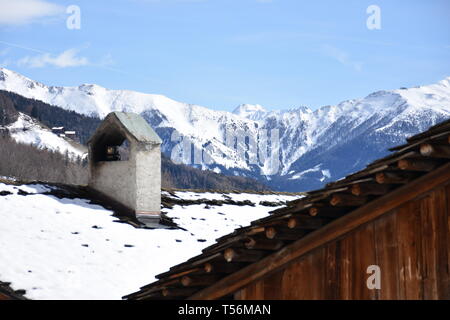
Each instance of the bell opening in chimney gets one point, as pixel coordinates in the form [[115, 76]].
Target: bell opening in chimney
[[112, 146]]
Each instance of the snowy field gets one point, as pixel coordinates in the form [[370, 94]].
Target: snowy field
[[71, 249]]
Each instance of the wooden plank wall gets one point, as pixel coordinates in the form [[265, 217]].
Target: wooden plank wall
[[4, 297], [410, 244]]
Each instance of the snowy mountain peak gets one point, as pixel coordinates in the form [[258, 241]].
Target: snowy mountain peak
[[301, 109], [2, 74], [250, 111], [6, 74], [445, 82], [89, 86], [16, 81]]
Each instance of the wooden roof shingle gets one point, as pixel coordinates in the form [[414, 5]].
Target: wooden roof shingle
[[423, 154]]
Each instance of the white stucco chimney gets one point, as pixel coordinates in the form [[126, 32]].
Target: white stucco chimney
[[125, 162]]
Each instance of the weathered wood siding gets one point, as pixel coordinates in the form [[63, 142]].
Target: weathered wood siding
[[4, 297], [410, 244]]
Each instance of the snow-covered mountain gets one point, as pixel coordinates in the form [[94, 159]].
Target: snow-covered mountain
[[306, 148], [27, 130]]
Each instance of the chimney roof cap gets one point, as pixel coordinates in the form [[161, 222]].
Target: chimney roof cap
[[134, 124]]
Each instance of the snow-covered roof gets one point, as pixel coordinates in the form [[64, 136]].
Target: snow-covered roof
[[7, 293], [57, 244], [133, 124]]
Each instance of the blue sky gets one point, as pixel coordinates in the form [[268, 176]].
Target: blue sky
[[221, 53]]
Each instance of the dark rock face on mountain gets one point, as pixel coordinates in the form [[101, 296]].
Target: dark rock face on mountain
[[8, 114]]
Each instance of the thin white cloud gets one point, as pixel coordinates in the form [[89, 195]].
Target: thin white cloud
[[106, 60], [17, 12], [4, 52], [5, 63], [14, 45], [65, 59], [68, 58], [342, 57]]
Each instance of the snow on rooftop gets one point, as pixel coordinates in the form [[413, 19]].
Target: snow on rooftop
[[71, 249]]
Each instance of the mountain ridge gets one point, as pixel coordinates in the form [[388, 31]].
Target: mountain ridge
[[26, 123], [314, 146]]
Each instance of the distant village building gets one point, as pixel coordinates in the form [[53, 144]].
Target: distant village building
[[71, 134], [125, 163], [61, 132], [58, 130]]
